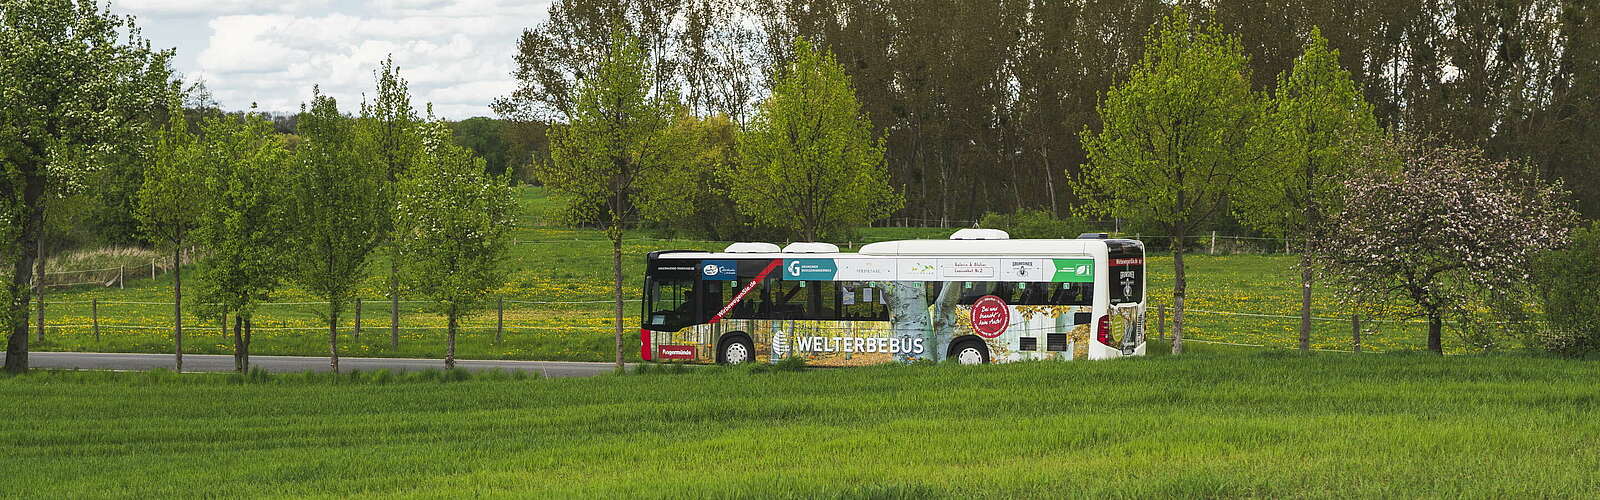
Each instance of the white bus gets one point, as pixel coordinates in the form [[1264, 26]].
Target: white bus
[[978, 297]]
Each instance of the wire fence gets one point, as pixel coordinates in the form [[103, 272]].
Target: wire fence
[[583, 328]]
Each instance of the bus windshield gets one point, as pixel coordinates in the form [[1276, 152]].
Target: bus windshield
[[669, 304]]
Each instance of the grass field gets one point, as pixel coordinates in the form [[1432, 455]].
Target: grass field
[[1213, 424], [572, 265]]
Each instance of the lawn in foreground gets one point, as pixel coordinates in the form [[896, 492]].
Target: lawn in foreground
[[1219, 424]]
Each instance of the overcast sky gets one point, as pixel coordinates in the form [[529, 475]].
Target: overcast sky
[[455, 54]]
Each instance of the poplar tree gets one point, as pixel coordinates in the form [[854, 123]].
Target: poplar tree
[[619, 138], [171, 202], [77, 85], [390, 124], [452, 221], [1175, 138], [810, 163], [1321, 124], [340, 209]]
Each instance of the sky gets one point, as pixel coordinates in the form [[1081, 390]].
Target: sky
[[457, 55]]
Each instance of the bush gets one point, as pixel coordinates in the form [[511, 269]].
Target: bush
[[1568, 281], [1031, 224]]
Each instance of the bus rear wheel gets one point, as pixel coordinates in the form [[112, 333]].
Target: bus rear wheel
[[736, 350], [970, 352]]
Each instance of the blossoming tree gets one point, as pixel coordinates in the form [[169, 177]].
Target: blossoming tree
[[1442, 232]]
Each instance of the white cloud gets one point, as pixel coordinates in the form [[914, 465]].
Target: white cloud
[[215, 7], [458, 55]]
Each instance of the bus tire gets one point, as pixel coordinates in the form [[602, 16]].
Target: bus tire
[[970, 352], [736, 349]]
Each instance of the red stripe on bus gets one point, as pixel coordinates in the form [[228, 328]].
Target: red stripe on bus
[[746, 290], [644, 344]]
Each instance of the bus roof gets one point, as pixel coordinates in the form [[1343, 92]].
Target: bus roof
[[931, 248]]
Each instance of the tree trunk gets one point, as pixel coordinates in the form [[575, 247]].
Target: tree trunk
[[27, 242], [238, 343], [1435, 327], [450, 340], [616, 274], [1305, 302], [249, 335], [394, 303], [177, 305], [38, 287], [1179, 283], [333, 336]]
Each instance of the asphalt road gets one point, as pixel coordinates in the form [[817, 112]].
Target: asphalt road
[[224, 363]]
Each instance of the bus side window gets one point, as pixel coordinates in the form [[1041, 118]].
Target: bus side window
[[1072, 294], [971, 291], [860, 301], [824, 300], [712, 298]]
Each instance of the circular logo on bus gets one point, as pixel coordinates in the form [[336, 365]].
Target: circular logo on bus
[[990, 316]]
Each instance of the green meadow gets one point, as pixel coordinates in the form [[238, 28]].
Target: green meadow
[[1217, 423], [560, 281]]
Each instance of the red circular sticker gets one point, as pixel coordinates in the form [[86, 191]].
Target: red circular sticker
[[990, 316]]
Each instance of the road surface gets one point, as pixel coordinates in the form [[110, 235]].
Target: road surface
[[224, 363]]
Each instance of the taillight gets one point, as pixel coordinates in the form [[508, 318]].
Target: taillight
[[644, 344], [1103, 331]]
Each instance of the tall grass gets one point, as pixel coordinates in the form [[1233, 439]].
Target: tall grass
[[1207, 425]]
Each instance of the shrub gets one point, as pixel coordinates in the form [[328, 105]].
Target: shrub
[[1568, 281], [1028, 224]]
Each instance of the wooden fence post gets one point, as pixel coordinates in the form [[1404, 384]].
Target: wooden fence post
[[1213, 243], [500, 319], [358, 318], [1355, 331], [94, 315], [120, 279], [1161, 323]]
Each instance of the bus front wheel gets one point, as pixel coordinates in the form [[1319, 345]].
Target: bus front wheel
[[736, 350], [970, 352]]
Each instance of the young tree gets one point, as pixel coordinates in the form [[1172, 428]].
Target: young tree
[[390, 124], [1321, 123], [1446, 230], [453, 220], [340, 209], [78, 85], [620, 136], [246, 226], [1175, 138], [172, 201], [810, 163]]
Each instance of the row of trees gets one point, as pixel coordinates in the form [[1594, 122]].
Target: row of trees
[[322, 204], [807, 162], [1400, 221], [960, 91]]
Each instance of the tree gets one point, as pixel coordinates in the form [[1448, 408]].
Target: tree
[[171, 202], [390, 124], [1568, 280], [79, 84], [1174, 139], [1321, 124], [1449, 229], [340, 209], [810, 163], [619, 138], [245, 228], [453, 220]]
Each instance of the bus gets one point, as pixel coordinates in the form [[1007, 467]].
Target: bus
[[978, 297]]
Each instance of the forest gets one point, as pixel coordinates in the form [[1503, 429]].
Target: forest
[[981, 105]]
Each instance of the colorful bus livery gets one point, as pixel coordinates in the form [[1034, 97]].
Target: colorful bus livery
[[979, 297]]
